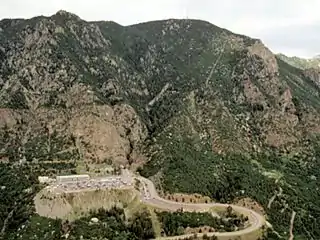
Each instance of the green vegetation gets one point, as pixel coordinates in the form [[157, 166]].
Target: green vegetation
[[49, 154], [111, 224], [17, 101], [304, 90], [206, 134], [175, 223], [37, 228], [301, 63], [18, 186], [189, 166]]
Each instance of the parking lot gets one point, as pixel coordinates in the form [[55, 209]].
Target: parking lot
[[91, 184]]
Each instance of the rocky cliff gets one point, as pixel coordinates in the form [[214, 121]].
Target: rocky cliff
[[103, 85], [182, 97]]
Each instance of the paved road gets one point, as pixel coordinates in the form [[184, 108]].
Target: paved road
[[117, 181], [151, 197]]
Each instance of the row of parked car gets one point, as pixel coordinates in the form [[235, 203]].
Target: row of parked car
[[103, 183]]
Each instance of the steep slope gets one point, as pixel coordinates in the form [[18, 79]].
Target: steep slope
[[204, 109], [301, 63], [310, 66], [50, 74]]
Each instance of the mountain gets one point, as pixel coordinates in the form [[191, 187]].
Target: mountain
[[194, 107], [316, 56], [301, 63], [310, 67]]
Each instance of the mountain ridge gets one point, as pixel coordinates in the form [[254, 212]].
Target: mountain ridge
[[191, 105], [303, 63]]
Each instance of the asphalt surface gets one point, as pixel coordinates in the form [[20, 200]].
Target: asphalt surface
[[116, 182], [150, 196]]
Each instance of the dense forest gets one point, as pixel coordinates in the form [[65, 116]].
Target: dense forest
[[175, 223], [100, 224], [18, 185], [191, 167]]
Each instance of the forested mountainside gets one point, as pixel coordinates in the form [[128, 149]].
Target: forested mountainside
[[195, 107]]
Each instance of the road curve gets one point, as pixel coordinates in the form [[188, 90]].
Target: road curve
[[253, 231]]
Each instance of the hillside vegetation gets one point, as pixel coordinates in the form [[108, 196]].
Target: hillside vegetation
[[175, 224], [301, 63], [195, 107], [100, 224]]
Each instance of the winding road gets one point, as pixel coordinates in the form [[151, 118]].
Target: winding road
[[150, 196], [252, 232]]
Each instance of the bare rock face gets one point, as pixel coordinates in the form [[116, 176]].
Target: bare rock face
[[314, 75], [259, 49], [267, 69], [252, 93], [8, 118], [98, 134], [101, 89], [195, 106], [107, 133], [78, 95], [98, 139]]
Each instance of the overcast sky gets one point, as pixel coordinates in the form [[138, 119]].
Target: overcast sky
[[288, 26]]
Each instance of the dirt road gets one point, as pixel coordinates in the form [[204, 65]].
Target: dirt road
[[257, 221]]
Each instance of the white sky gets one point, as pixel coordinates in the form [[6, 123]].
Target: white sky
[[288, 26]]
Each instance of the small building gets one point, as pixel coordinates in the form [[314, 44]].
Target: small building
[[43, 179], [72, 178]]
